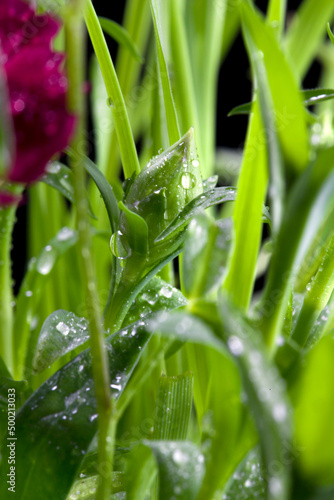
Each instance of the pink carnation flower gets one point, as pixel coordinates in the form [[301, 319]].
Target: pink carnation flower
[[37, 88]]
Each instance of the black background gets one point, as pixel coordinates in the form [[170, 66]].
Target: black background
[[234, 88]]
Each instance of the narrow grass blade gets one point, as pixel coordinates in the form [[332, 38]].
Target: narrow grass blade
[[276, 16], [311, 18], [247, 216], [120, 114], [310, 203], [196, 206], [288, 106], [173, 407], [172, 123], [118, 33]]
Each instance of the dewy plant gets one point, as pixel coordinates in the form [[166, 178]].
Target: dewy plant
[[140, 356]]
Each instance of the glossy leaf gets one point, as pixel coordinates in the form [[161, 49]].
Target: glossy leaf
[[57, 423], [196, 206], [181, 469], [156, 296], [248, 481], [141, 470], [118, 33], [32, 288], [61, 333], [60, 177]]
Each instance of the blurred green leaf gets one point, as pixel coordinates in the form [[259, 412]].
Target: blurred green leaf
[[58, 422], [30, 293], [248, 481], [61, 333], [266, 395], [181, 469], [306, 32], [141, 470], [118, 33], [313, 397]]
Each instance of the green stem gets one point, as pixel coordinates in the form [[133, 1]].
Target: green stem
[[75, 43], [126, 141], [7, 219]]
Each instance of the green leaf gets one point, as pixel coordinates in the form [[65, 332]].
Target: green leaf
[[60, 177], [206, 251], [58, 422], [118, 33], [313, 398], [137, 229], [173, 407], [302, 48], [156, 296], [196, 206], [61, 333], [141, 470], [248, 480], [275, 160], [85, 488], [247, 215], [181, 469], [266, 396], [172, 123], [30, 293], [106, 191], [288, 107], [310, 204]]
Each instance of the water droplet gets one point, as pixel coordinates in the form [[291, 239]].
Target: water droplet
[[63, 328], [46, 261], [279, 412], [235, 345], [117, 246], [166, 291], [188, 180], [65, 233], [54, 388], [110, 103], [195, 163], [28, 293], [180, 457]]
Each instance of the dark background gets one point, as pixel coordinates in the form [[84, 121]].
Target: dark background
[[234, 88]]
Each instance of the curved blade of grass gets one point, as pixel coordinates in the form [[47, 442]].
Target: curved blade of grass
[[309, 96], [247, 216], [58, 422], [118, 33], [311, 202], [311, 18], [196, 206], [125, 137], [172, 123], [288, 106], [31, 291], [330, 33]]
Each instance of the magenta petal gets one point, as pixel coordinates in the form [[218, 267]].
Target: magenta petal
[[7, 199], [20, 26]]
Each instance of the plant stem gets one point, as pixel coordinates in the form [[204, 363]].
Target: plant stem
[[7, 219], [126, 141], [75, 41]]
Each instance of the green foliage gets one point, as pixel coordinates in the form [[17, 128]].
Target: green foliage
[[190, 380]]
